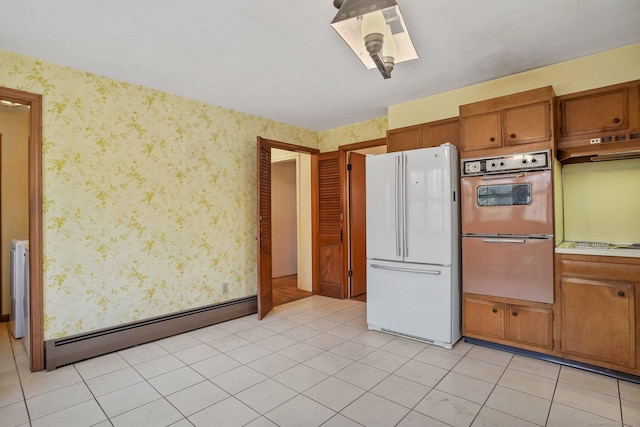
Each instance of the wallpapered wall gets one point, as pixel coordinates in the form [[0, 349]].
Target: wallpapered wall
[[331, 139], [148, 198]]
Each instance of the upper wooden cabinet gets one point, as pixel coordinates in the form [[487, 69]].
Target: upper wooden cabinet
[[603, 121], [508, 124], [424, 135]]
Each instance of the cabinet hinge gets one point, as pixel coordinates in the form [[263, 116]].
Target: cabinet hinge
[[553, 344], [349, 167], [350, 273]]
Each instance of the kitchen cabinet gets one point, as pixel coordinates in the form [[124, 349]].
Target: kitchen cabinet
[[598, 310], [508, 124], [602, 121], [424, 135], [516, 323]]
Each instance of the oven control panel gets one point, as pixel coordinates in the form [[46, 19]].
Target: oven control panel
[[507, 163]]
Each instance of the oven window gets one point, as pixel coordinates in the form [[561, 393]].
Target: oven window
[[504, 195]]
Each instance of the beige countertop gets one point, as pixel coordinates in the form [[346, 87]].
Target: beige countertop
[[606, 249]]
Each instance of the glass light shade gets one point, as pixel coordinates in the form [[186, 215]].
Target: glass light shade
[[373, 23], [389, 47]]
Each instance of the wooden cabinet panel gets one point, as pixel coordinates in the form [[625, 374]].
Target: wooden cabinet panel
[[527, 124], [594, 112], [483, 318], [530, 326], [437, 133], [598, 320], [481, 131], [408, 138], [425, 135]]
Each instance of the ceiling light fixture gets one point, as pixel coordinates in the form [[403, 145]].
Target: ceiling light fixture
[[375, 31]]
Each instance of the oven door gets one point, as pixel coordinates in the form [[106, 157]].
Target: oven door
[[519, 203], [514, 267]]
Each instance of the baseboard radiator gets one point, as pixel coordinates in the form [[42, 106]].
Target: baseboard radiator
[[71, 349]]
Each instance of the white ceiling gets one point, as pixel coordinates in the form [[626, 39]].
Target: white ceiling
[[282, 60]]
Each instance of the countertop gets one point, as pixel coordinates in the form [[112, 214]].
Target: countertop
[[604, 249]]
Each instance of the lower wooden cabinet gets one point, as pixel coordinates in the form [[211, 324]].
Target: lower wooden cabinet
[[508, 322]]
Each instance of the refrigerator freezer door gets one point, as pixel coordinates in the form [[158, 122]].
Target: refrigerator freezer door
[[413, 300], [384, 212]]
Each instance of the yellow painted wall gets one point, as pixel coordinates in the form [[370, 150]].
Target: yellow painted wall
[[14, 193], [602, 201], [602, 69]]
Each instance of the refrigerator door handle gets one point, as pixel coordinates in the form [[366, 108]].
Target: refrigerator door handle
[[408, 270], [397, 201], [404, 208]]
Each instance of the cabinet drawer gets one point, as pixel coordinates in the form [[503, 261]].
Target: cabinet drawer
[[530, 326], [483, 318]]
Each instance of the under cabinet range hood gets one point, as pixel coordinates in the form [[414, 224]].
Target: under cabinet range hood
[[601, 151]]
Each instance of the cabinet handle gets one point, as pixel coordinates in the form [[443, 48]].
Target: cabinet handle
[[616, 120], [495, 310], [515, 313], [513, 136], [492, 139], [620, 293]]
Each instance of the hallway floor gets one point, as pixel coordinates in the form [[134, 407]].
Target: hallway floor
[[310, 362]]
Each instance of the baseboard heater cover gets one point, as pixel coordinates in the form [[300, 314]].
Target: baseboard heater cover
[[71, 349]]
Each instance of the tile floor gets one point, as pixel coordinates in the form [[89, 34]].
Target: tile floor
[[310, 362]]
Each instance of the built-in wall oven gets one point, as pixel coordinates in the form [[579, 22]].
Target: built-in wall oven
[[507, 226]]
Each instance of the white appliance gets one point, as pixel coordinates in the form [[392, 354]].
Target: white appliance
[[413, 244], [17, 286], [25, 306]]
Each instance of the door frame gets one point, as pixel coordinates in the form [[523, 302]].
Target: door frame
[[315, 271], [36, 314], [344, 179]]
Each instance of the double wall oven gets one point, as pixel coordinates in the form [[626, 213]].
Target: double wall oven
[[507, 226]]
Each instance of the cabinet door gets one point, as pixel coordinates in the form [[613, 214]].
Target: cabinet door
[[481, 131], [598, 320], [527, 124], [441, 132], [402, 139], [530, 326], [593, 113], [482, 318]]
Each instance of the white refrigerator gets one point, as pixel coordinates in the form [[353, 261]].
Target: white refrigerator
[[413, 244]]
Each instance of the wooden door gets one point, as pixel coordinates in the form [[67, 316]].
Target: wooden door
[[265, 291], [330, 229], [530, 326], [358, 224], [482, 318]]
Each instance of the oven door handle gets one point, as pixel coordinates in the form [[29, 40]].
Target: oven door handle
[[505, 176], [507, 240]]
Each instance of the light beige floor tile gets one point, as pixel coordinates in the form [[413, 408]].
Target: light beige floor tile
[[227, 343], [590, 380], [236, 325], [416, 419], [537, 367], [45, 382], [587, 400], [439, 357], [300, 411], [14, 414], [248, 353], [300, 378], [215, 365], [10, 395], [300, 333], [272, 364], [301, 352], [159, 366], [156, 413], [280, 325], [255, 334], [344, 331], [343, 317], [461, 348], [229, 412], [384, 360], [629, 391], [265, 396], [359, 322], [84, 414], [177, 380], [209, 333], [449, 409], [528, 383], [490, 355], [101, 365], [8, 378], [400, 390], [56, 400], [196, 353], [565, 416], [113, 381], [334, 393], [302, 318], [491, 418], [373, 338], [341, 421], [197, 397], [127, 398], [238, 379], [322, 324], [178, 343], [324, 341], [328, 362], [142, 353], [352, 350], [404, 347], [630, 413], [521, 405], [422, 373], [478, 369], [372, 410], [468, 388], [276, 342], [260, 422], [361, 375]]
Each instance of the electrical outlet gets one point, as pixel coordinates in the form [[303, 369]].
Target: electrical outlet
[[225, 288], [595, 140]]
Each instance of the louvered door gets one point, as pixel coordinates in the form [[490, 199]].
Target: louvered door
[[330, 226], [265, 294]]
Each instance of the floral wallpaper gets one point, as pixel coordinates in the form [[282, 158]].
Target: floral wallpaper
[[331, 139], [149, 199]]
